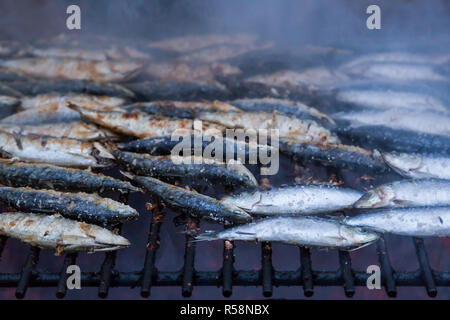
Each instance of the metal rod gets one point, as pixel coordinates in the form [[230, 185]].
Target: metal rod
[[387, 271], [267, 268], [61, 288], [227, 268], [425, 268], [347, 273], [151, 249], [107, 269], [189, 257], [306, 271], [27, 272]]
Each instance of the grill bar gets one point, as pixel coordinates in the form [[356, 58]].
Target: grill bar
[[425, 268], [386, 268], [212, 278], [347, 273], [151, 248], [61, 288], [227, 268], [267, 268], [107, 269], [306, 272], [189, 257], [3, 241], [27, 272]]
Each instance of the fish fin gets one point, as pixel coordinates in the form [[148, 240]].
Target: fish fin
[[127, 174], [207, 236], [103, 152], [405, 203], [361, 246]]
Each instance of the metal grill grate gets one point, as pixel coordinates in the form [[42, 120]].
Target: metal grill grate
[[227, 276]]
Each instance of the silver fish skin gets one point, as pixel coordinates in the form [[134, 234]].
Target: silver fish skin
[[407, 193], [295, 200], [419, 166], [86, 207], [425, 121], [57, 151], [302, 231], [58, 233], [74, 69], [386, 99], [289, 128], [45, 176], [192, 203], [417, 221]]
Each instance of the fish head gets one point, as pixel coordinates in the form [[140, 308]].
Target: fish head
[[379, 197], [356, 236], [95, 239], [236, 214], [402, 163]]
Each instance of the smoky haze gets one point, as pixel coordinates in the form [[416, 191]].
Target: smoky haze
[[292, 22]]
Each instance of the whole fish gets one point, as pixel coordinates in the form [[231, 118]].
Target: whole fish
[[44, 176], [428, 122], [301, 231], [295, 200], [165, 146], [179, 109], [395, 72], [192, 203], [178, 90], [32, 88], [407, 193], [58, 233], [289, 128], [74, 130], [74, 69], [283, 106], [78, 206], [49, 113], [141, 125], [388, 139], [335, 155], [419, 166], [189, 167], [8, 106], [57, 151], [387, 99], [94, 101], [417, 221]]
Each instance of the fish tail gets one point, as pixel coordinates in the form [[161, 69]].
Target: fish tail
[[207, 236]]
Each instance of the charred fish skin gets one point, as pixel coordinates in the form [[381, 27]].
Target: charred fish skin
[[44, 176], [301, 231], [282, 106], [194, 169], [407, 193], [181, 91], [32, 88], [161, 146], [416, 221], [387, 139], [419, 166], [295, 200], [335, 155], [179, 109], [193, 203], [58, 233], [57, 151], [289, 128], [78, 206]]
